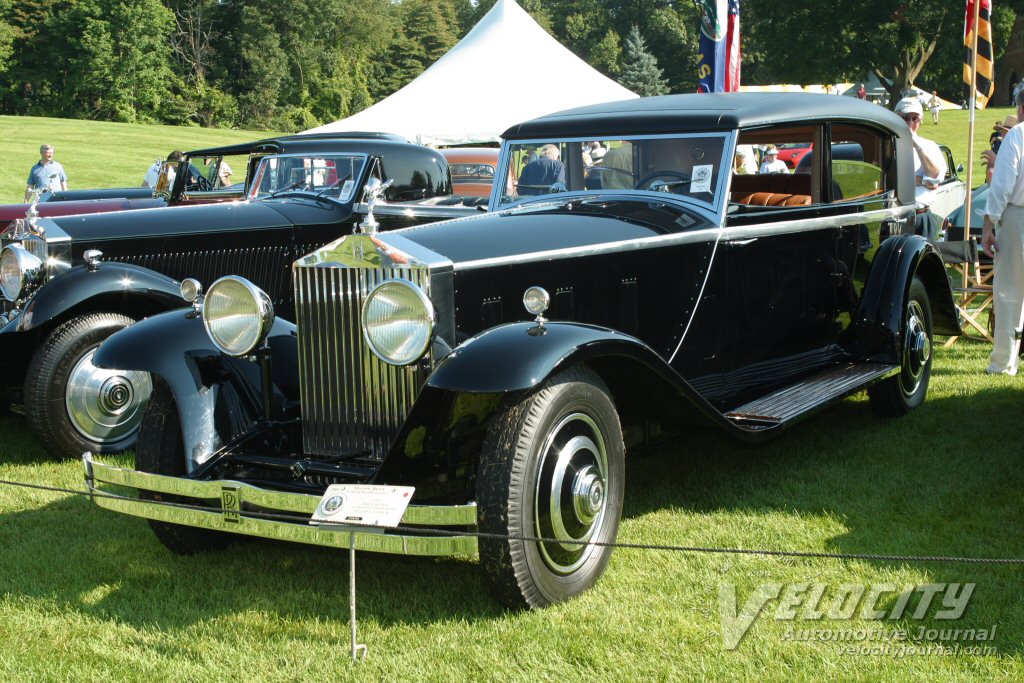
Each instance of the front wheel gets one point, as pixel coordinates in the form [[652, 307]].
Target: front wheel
[[160, 450], [72, 405], [552, 467], [902, 393]]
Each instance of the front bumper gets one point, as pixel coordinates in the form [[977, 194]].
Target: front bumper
[[234, 499]]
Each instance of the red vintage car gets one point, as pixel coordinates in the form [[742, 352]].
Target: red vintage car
[[792, 153], [472, 169]]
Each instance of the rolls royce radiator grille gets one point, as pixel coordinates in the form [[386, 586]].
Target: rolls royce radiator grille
[[352, 402]]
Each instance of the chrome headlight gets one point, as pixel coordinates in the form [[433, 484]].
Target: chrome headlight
[[18, 268], [398, 322], [237, 315]]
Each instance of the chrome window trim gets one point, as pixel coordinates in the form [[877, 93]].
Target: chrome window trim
[[693, 237], [725, 164]]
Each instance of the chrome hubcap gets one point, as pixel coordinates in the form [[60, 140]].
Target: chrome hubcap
[[917, 348], [105, 406], [571, 495]]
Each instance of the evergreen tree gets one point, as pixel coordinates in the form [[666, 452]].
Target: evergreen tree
[[640, 72], [6, 35]]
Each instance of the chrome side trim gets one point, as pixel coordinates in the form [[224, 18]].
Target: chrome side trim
[[231, 517], [696, 236], [696, 305]]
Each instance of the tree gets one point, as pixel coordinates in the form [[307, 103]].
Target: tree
[[640, 72], [7, 35], [101, 59], [811, 41]]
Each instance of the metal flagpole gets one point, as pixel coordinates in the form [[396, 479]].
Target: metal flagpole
[[970, 126]]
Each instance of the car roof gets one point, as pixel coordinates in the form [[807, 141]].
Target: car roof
[[322, 142], [705, 112]]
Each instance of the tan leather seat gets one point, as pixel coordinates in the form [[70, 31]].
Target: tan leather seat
[[771, 199]]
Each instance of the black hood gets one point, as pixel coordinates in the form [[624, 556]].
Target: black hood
[[549, 226], [199, 219]]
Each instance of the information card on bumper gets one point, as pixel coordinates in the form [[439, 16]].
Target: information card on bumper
[[361, 505]]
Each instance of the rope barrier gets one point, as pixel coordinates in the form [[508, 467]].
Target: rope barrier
[[429, 531]]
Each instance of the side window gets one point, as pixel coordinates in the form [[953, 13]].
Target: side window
[[860, 163], [230, 173], [775, 169], [951, 169]]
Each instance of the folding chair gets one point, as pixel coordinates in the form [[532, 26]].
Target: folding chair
[[972, 286]]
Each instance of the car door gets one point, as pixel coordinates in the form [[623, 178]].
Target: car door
[[781, 287], [951, 192]]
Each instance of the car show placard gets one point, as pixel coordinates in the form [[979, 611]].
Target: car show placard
[[362, 505]]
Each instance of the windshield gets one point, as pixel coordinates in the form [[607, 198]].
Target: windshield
[[472, 172], [684, 165], [330, 175]]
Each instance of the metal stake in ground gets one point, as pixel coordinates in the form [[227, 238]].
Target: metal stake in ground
[[360, 509], [358, 649]]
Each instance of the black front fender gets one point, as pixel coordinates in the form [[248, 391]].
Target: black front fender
[[175, 347], [117, 284], [439, 443], [520, 356], [880, 314]]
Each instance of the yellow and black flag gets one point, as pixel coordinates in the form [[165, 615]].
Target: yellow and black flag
[[985, 85]]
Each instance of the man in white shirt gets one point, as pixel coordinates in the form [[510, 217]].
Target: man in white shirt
[[1003, 239], [929, 162], [771, 163]]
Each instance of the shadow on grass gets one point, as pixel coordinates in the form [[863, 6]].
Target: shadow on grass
[[20, 445], [946, 480]]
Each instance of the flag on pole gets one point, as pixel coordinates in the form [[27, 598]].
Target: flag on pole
[[985, 85], [718, 64], [733, 53]]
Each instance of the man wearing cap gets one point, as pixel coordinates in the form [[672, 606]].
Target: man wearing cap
[[929, 162], [771, 163], [1003, 239]]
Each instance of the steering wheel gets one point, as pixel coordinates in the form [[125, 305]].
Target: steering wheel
[[602, 169], [650, 181], [199, 183]]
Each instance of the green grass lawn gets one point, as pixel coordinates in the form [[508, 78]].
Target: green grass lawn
[[91, 595], [97, 153]]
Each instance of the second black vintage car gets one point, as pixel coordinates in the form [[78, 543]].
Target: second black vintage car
[[71, 282], [504, 365]]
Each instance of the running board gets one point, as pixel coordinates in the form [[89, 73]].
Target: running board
[[808, 395]]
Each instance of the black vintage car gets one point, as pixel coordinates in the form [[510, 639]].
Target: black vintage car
[[71, 282], [504, 364]]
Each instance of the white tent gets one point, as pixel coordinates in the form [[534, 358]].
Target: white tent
[[506, 70]]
